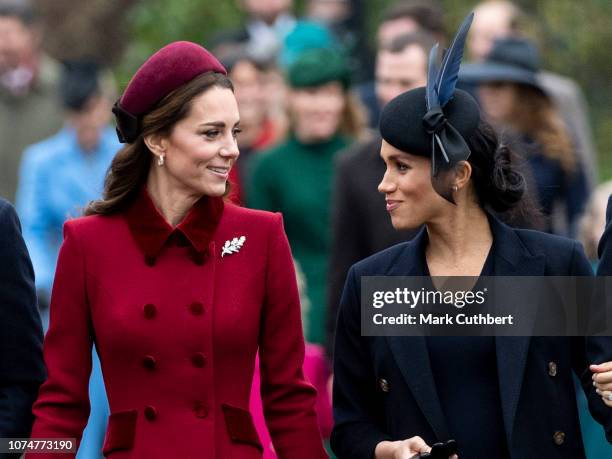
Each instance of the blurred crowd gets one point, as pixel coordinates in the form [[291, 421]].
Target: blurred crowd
[[309, 92]]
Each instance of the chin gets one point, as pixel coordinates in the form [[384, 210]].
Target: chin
[[401, 224], [214, 191]]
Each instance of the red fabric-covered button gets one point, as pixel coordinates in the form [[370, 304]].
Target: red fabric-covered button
[[150, 413], [198, 360], [200, 409], [196, 308], [149, 310], [199, 258], [149, 362]]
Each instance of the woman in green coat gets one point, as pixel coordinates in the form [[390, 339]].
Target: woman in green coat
[[296, 177]]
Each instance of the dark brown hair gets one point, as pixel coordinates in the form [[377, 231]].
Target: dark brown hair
[[534, 114], [428, 15], [499, 180], [422, 39], [130, 167]]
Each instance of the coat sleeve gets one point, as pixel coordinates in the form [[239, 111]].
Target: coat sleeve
[[21, 364], [62, 408], [288, 400], [356, 431]]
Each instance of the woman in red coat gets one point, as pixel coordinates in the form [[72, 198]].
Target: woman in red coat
[[177, 288]]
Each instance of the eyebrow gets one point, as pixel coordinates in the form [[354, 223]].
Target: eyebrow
[[219, 124], [395, 156]]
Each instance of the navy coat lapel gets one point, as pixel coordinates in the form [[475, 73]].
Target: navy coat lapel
[[512, 259], [410, 353]]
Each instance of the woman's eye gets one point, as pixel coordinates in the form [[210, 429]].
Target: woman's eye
[[402, 167], [236, 131], [211, 134]]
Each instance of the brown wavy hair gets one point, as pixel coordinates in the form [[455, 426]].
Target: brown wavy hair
[[534, 114], [130, 167]]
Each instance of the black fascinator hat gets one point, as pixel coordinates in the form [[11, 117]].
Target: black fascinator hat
[[435, 121]]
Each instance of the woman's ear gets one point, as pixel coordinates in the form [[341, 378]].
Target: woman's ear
[[156, 144], [463, 172]]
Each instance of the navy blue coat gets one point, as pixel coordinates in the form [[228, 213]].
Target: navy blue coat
[[539, 410], [604, 268], [21, 364]]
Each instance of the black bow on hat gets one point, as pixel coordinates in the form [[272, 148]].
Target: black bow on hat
[[448, 147]]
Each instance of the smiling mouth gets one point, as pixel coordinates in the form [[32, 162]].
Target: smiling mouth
[[219, 170], [392, 205]]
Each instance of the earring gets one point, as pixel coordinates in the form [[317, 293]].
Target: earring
[[455, 188], [160, 159]]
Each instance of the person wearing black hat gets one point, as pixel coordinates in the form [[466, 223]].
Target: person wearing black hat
[[177, 288], [497, 397], [513, 100]]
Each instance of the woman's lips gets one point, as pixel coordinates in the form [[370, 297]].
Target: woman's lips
[[392, 205], [219, 171]]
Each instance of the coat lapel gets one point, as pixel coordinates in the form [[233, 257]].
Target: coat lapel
[[512, 259], [410, 353]]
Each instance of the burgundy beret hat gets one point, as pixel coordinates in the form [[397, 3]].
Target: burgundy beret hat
[[166, 70]]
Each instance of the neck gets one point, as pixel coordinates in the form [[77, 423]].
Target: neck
[[173, 202], [462, 232]]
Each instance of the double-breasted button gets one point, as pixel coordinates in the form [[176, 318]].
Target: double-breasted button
[[552, 369], [200, 409], [149, 260], [559, 437], [196, 308], [198, 360], [150, 413], [149, 362], [149, 310], [199, 258], [383, 384]]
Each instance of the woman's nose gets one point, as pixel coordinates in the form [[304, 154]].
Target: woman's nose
[[386, 185]]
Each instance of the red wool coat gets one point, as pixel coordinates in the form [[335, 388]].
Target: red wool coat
[[177, 322]]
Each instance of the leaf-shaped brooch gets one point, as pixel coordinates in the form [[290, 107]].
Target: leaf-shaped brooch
[[233, 246]]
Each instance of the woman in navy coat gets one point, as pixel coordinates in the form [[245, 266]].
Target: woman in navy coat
[[177, 289], [510, 397]]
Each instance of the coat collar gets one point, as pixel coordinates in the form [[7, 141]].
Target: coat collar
[[151, 231], [511, 258]]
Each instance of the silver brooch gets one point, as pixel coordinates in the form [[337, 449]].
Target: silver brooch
[[233, 246]]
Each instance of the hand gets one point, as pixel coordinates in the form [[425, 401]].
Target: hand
[[602, 380], [403, 449]]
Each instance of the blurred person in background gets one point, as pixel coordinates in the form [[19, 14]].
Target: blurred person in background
[[296, 177], [258, 130], [401, 18], [502, 19], [406, 16], [360, 222], [58, 177], [61, 174], [514, 101], [22, 368], [347, 20], [267, 23], [29, 79]]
